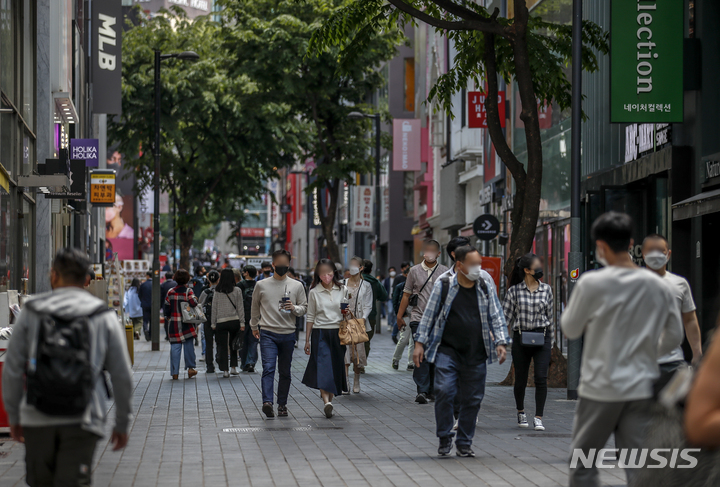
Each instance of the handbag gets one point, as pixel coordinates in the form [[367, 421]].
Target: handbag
[[238, 342], [193, 315], [532, 338], [413, 299], [352, 331]]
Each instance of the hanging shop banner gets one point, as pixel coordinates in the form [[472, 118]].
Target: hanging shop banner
[[102, 187], [107, 21], [646, 61], [406, 144], [363, 208], [76, 175], [86, 149], [477, 115]]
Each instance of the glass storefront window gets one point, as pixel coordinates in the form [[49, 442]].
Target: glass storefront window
[[5, 243], [7, 48], [28, 82]]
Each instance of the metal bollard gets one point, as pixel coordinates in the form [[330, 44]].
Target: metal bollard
[[130, 338]]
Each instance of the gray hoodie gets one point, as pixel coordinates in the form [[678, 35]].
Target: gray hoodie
[[107, 350]]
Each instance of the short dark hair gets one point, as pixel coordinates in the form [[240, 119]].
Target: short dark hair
[[168, 275], [367, 266], [391, 267], [454, 243], [149, 273], [405, 264], [265, 264], [251, 270], [655, 236], [227, 281], [432, 241], [72, 265], [463, 251], [280, 252], [615, 229], [182, 277], [213, 276]]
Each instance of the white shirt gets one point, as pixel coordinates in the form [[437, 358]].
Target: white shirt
[[681, 289], [364, 301], [629, 318], [324, 307]]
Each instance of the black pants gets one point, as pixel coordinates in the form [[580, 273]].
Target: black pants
[[424, 376], [225, 334], [209, 343], [521, 357], [59, 455]]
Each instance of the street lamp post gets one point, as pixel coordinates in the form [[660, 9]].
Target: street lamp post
[[155, 316]]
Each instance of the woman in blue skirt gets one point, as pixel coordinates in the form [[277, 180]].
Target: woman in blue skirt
[[326, 366]]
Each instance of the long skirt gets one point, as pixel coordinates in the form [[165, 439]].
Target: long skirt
[[326, 366]]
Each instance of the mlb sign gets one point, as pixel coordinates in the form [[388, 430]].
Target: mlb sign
[[477, 115]]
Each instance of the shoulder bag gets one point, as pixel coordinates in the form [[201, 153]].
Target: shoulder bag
[[239, 340], [413, 300], [193, 315], [352, 329], [532, 338]]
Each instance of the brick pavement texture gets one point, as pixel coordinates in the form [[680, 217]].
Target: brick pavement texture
[[379, 437]]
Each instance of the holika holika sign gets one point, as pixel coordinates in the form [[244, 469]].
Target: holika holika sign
[[646, 61]]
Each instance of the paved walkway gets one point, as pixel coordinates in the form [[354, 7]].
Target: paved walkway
[[380, 437]]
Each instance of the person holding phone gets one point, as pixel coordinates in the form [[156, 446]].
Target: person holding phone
[[325, 369]]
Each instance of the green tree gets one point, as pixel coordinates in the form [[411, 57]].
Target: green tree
[[523, 48], [222, 137], [269, 40]]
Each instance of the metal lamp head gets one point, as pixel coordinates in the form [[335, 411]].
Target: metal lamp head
[[188, 56], [356, 115]]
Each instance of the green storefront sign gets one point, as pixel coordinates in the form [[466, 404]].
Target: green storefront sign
[[646, 61]]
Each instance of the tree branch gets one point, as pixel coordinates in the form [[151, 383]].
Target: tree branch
[[491, 27], [460, 10]]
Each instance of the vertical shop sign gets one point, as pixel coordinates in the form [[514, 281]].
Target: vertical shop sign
[[406, 144], [646, 61], [363, 209], [107, 21]]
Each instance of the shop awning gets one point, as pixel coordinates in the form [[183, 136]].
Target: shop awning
[[700, 204]]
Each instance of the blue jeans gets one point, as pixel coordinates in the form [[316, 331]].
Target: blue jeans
[[391, 316], [425, 374], [249, 351], [467, 383], [188, 349], [276, 348]]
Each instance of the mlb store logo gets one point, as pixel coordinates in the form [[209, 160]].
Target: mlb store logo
[[635, 458]]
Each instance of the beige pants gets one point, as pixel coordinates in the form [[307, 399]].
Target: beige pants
[[360, 357]]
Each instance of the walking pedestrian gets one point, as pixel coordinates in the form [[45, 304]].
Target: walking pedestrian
[[702, 413], [418, 286], [56, 406], [360, 299], [276, 302], [248, 353], [267, 271], [404, 338], [629, 318], [181, 335], [450, 248], [206, 300], [379, 295], [656, 254], [404, 269], [145, 294], [164, 288], [388, 285], [132, 307], [462, 330], [228, 319], [325, 369], [528, 310]]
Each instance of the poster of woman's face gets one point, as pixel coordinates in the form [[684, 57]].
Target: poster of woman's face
[[119, 217]]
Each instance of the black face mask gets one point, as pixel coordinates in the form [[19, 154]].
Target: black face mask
[[267, 273], [281, 270], [538, 274]]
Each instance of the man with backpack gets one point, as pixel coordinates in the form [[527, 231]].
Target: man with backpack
[[206, 301], [462, 330], [53, 383], [248, 353]]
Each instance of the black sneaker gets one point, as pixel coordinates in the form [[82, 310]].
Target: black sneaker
[[464, 451], [268, 410], [282, 411], [445, 446], [421, 398], [250, 369], [431, 397], [210, 370], [395, 364], [395, 340], [411, 367]]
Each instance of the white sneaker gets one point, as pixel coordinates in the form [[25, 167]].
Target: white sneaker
[[234, 371], [328, 410], [522, 420], [202, 358], [538, 424], [455, 426], [226, 374]]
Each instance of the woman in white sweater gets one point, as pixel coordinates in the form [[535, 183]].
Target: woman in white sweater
[[360, 297], [327, 357], [228, 319]]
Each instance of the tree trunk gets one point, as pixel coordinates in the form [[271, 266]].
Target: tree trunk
[[239, 236], [186, 240], [327, 221]]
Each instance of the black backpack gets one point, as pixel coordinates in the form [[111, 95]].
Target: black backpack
[[207, 306], [247, 288], [61, 383]]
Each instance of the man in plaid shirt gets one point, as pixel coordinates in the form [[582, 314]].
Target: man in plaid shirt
[[460, 334]]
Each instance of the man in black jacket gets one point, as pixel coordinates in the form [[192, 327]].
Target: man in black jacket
[[248, 353], [145, 294], [404, 268]]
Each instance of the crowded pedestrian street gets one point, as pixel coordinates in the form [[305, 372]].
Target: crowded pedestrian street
[[210, 431]]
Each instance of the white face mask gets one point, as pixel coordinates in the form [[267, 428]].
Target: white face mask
[[393, 273], [473, 272], [354, 270], [655, 260], [600, 258], [430, 257]]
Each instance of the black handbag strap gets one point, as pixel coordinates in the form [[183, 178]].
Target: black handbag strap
[[429, 277], [231, 301]]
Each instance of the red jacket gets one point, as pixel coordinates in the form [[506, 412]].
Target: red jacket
[[178, 331]]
